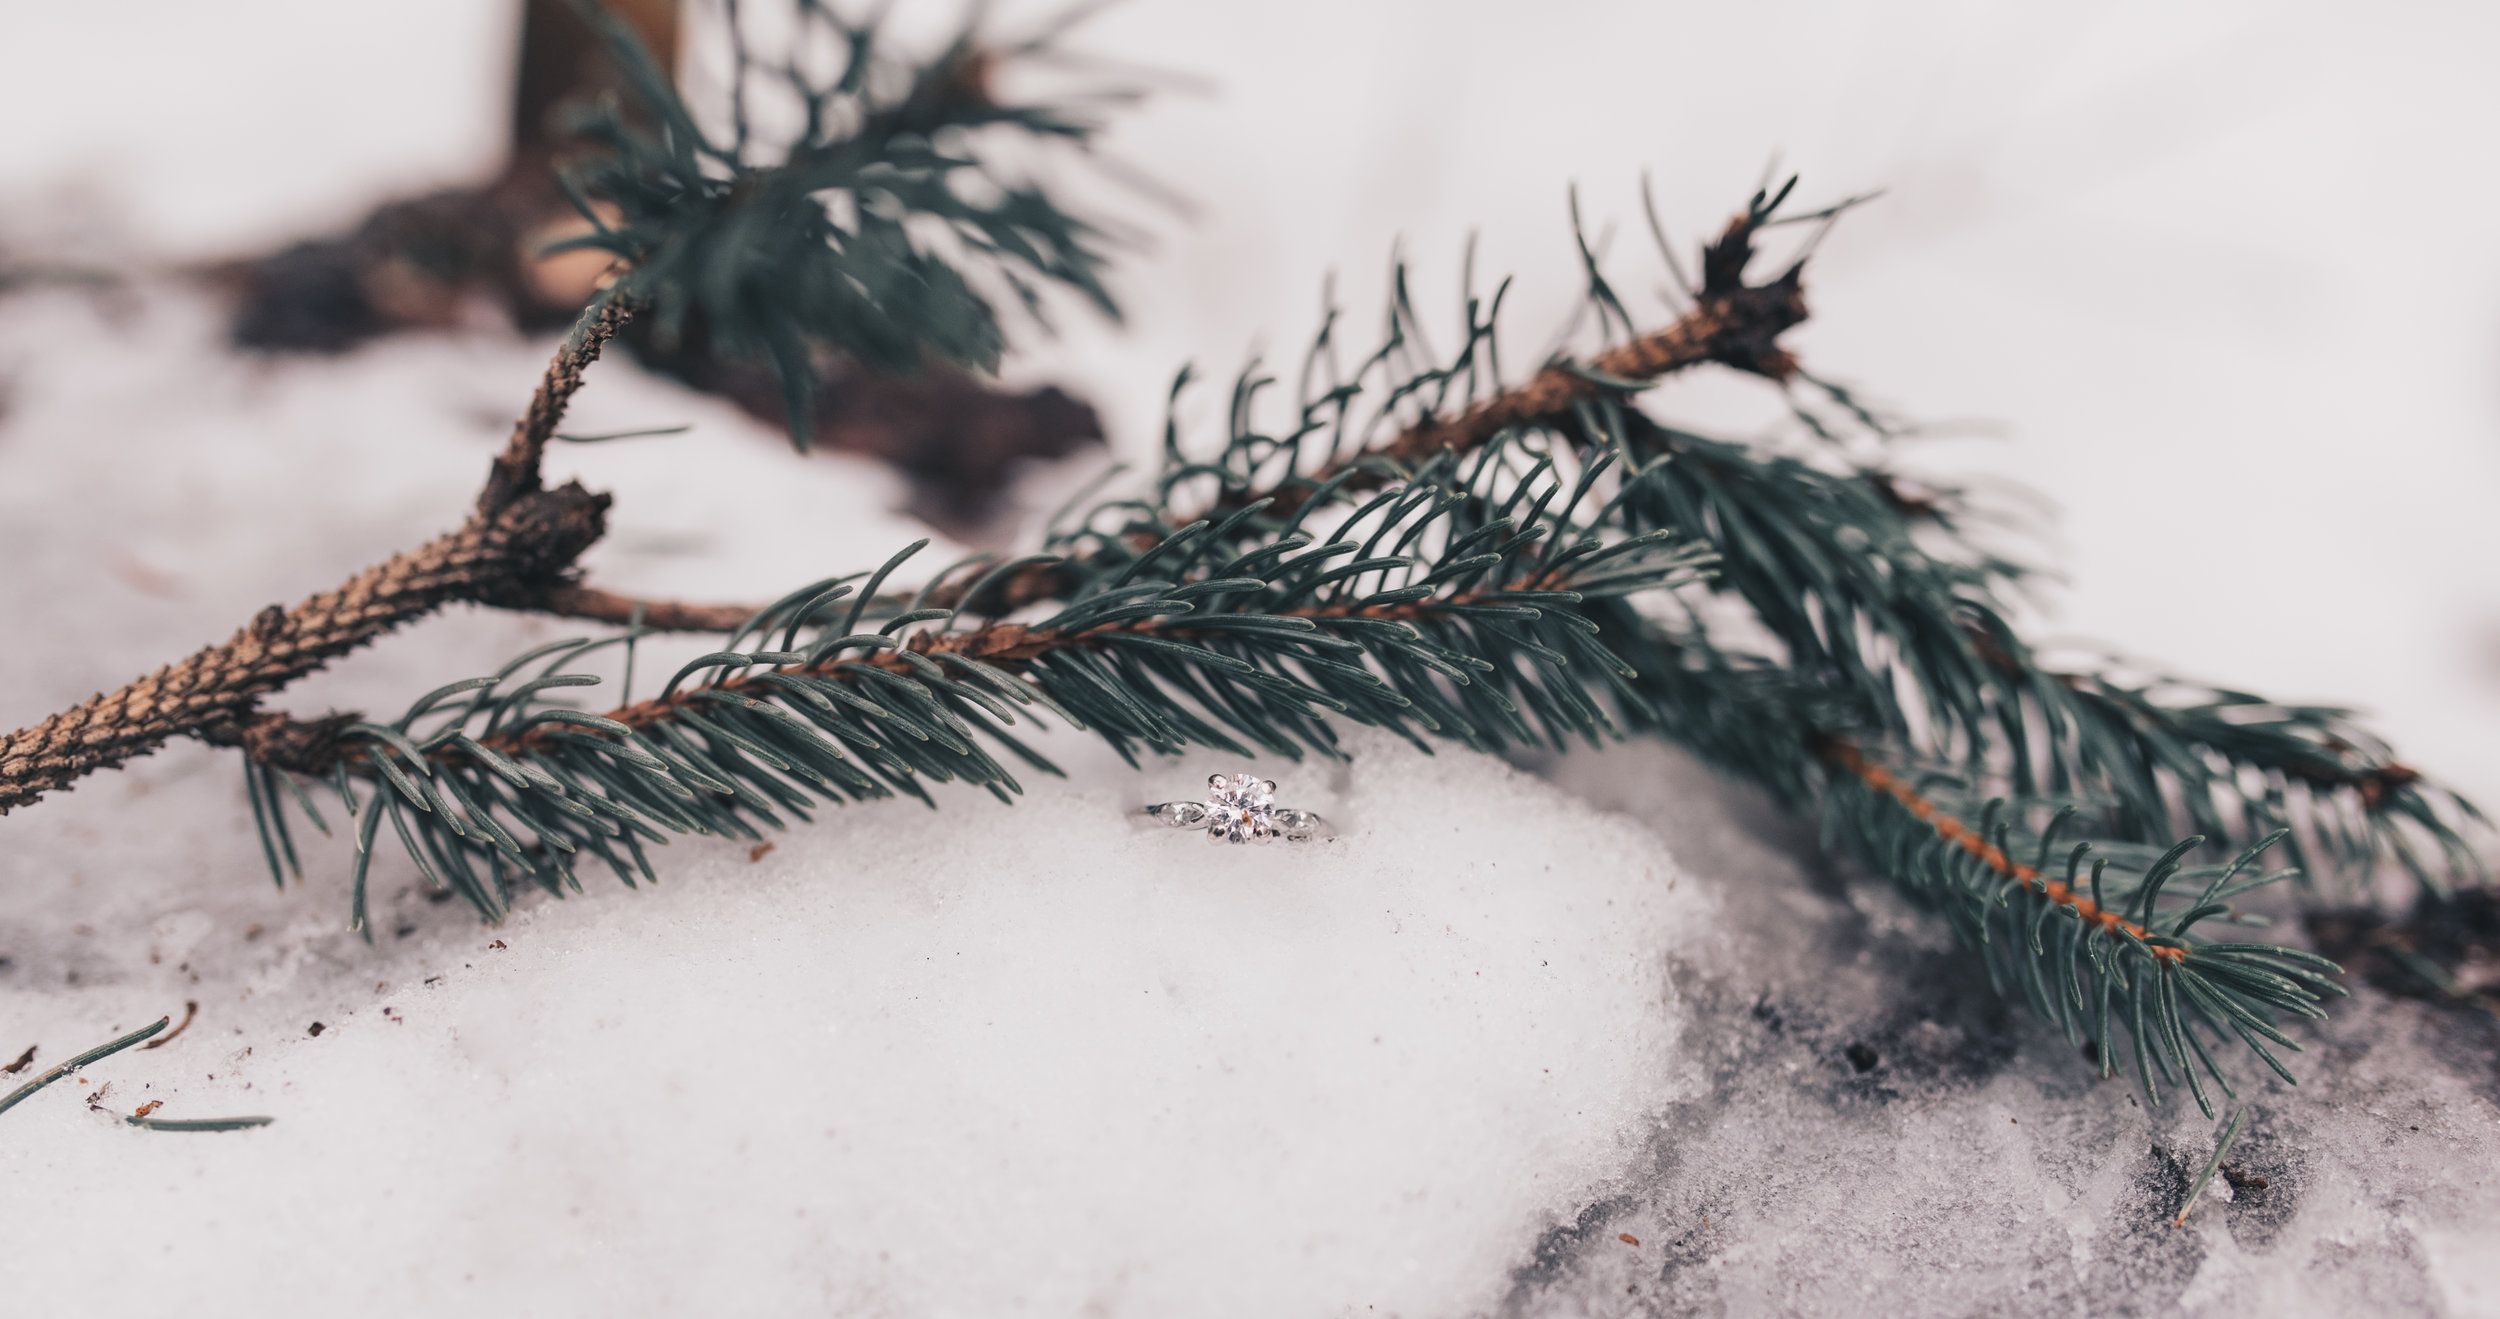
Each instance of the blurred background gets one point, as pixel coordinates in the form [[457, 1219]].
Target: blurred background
[[2218, 280]]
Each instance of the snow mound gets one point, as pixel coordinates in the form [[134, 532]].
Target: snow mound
[[1047, 1057]]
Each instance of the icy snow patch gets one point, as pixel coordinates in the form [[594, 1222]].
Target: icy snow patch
[[1869, 1130], [1047, 1057]]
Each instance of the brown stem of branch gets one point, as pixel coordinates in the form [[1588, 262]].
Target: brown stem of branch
[[1009, 646], [1733, 323], [516, 469], [310, 747], [530, 539], [573, 600], [1847, 756], [517, 546]]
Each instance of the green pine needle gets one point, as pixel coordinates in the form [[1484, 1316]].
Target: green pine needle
[[2221, 1148], [17, 1096]]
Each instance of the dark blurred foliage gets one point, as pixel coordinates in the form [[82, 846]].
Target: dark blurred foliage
[[2445, 950], [468, 256]]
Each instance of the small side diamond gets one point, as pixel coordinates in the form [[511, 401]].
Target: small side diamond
[[1180, 814], [1241, 808]]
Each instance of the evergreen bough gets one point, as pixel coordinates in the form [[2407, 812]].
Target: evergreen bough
[[1413, 541]]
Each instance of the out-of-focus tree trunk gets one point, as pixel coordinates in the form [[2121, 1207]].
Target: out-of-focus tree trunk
[[563, 60], [454, 257]]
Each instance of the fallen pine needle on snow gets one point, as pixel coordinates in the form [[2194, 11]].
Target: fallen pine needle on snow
[[2224, 1147], [190, 1009], [197, 1124], [60, 1070]]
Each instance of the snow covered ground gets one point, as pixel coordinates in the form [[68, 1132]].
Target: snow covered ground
[[1603, 1038]]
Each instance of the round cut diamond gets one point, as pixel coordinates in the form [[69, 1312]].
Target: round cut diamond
[[1241, 808]]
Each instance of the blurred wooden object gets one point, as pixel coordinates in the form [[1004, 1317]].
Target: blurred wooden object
[[563, 60], [472, 257]]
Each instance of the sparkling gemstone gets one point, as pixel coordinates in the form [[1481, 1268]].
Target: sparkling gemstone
[[1241, 808]]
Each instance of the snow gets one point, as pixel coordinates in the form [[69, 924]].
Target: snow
[[1054, 1058], [1050, 1062]]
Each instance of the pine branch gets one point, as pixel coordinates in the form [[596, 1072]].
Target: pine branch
[[759, 254], [2232, 764], [1478, 636], [2120, 951], [858, 234], [1732, 323], [1847, 756], [521, 539], [2094, 960], [1885, 608], [530, 539]]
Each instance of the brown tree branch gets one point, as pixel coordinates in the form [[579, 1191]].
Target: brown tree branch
[[517, 549], [1732, 323], [310, 746], [515, 472], [1010, 646], [574, 600], [531, 538], [517, 546], [1847, 756]]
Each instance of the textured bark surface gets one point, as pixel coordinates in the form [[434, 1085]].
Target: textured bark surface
[[519, 544], [515, 472], [1732, 323], [1736, 329], [573, 600], [531, 540]]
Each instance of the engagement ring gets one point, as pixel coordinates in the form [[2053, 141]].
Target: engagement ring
[[1240, 808]]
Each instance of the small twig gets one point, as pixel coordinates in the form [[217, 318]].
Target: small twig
[[60, 1070], [567, 600], [2198, 1190], [24, 1061], [515, 472], [190, 1009], [643, 433], [522, 540], [1735, 324]]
